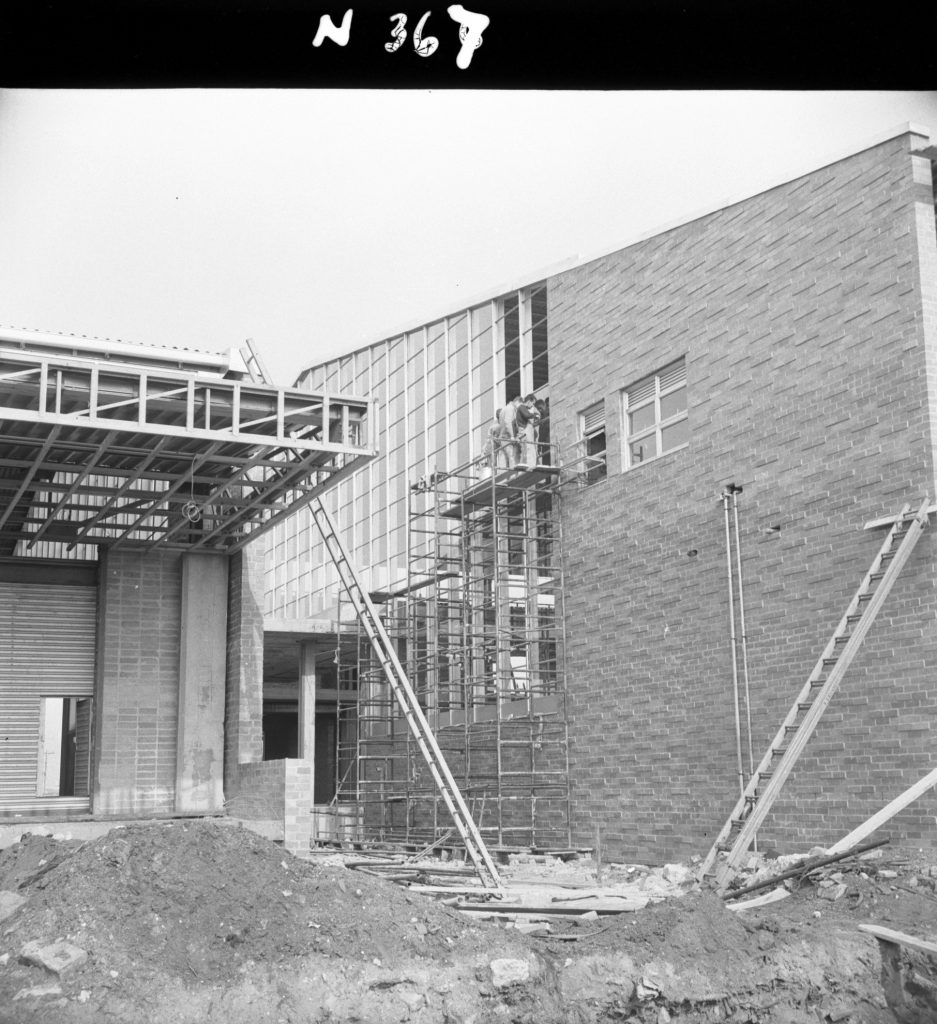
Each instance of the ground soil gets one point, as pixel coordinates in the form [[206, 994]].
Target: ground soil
[[191, 921]]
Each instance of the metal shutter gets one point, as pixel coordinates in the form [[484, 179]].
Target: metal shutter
[[47, 648]]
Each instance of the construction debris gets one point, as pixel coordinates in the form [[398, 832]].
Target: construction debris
[[803, 867], [210, 923], [909, 974]]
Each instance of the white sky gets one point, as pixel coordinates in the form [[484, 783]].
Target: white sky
[[319, 221]]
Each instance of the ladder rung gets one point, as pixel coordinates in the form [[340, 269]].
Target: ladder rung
[[757, 800]]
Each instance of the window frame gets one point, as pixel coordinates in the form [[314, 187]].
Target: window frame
[[592, 474], [659, 424]]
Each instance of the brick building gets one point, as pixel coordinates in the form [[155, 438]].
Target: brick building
[[567, 627], [784, 343], [133, 481]]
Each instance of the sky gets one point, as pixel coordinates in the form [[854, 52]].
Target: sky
[[319, 221]]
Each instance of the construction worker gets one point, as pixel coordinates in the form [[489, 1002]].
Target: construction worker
[[527, 419], [506, 451]]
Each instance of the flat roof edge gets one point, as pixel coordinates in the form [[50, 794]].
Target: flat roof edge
[[906, 128], [580, 259]]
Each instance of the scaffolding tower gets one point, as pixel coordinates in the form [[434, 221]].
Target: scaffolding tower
[[478, 624]]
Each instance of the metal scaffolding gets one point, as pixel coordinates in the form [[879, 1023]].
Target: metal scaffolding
[[478, 624]]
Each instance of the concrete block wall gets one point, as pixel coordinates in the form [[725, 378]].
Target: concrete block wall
[[809, 347], [137, 686], [259, 791], [277, 790], [243, 734], [297, 805]]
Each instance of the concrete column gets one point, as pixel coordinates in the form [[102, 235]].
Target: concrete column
[[306, 747], [200, 743], [243, 716]]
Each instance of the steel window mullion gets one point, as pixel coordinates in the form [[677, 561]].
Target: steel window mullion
[[493, 312], [426, 411], [451, 458]]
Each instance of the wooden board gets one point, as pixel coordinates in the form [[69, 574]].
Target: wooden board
[[886, 813], [900, 938]]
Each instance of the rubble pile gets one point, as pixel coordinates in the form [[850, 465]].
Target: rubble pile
[[199, 921]]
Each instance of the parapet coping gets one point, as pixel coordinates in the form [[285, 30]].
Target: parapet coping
[[580, 259]]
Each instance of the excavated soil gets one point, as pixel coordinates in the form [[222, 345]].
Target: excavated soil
[[198, 921]]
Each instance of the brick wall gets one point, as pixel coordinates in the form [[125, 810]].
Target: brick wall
[[278, 791], [244, 683], [138, 680], [259, 791], [807, 347]]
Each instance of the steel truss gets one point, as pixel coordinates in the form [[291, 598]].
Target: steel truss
[[94, 450]]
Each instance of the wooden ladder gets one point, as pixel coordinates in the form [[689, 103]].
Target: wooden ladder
[[765, 784], [400, 686], [256, 367]]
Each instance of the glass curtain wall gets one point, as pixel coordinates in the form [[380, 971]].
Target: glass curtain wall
[[438, 389]]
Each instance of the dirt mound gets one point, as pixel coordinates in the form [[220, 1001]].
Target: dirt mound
[[200, 900], [201, 922], [31, 857], [681, 928]]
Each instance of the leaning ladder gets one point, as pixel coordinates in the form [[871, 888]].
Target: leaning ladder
[[406, 698], [766, 782], [256, 367]]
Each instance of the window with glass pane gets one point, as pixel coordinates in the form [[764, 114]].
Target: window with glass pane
[[435, 343], [437, 379], [510, 326], [458, 334], [655, 414], [592, 434], [538, 337], [481, 325]]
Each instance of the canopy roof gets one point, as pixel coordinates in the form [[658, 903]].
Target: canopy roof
[[96, 448]]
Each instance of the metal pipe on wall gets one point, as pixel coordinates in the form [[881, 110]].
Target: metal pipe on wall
[[732, 639], [736, 491]]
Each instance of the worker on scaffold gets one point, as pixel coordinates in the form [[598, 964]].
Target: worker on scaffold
[[527, 421], [506, 447]]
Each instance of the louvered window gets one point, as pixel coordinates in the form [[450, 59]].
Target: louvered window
[[592, 439], [655, 415]]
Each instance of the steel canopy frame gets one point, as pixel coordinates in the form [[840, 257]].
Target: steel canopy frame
[[98, 451]]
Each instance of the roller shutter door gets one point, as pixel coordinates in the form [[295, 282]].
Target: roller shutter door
[[47, 649]]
